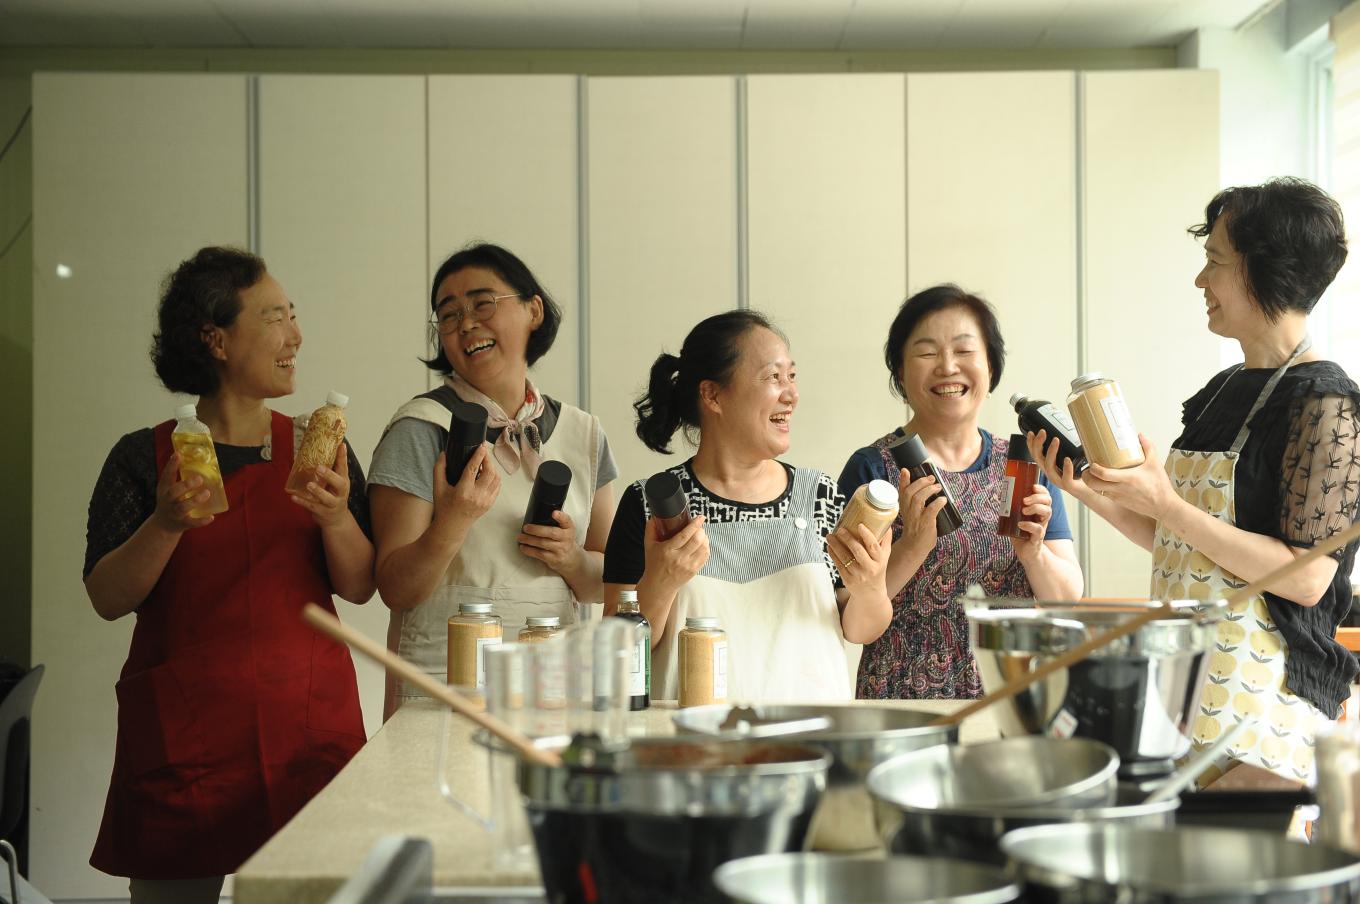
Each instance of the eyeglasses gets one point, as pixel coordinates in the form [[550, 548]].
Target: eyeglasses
[[480, 306]]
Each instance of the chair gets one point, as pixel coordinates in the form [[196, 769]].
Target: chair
[[16, 709]]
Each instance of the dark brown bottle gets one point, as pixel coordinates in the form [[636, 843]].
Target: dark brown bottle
[[668, 503], [1038, 414], [910, 453], [549, 493], [1022, 473], [467, 431]]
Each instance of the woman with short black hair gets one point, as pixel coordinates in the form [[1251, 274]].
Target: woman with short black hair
[[758, 552], [1267, 465], [440, 543], [944, 355], [232, 713]]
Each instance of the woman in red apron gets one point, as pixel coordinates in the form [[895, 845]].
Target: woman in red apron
[[1268, 464], [232, 713]]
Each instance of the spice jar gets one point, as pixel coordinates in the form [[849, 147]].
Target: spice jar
[[703, 662], [1022, 473], [538, 628], [874, 505], [1103, 422], [668, 503], [471, 631]]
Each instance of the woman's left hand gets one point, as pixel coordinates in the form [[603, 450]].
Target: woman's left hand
[[861, 560], [555, 547], [327, 496], [1145, 489], [1038, 510]]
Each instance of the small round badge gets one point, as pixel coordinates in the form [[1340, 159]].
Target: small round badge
[[800, 523]]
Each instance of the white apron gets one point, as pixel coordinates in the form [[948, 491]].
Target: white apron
[[490, 568], [784, 638], [1246, 671]]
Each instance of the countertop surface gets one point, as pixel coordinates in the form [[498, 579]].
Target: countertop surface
[[391, 787]]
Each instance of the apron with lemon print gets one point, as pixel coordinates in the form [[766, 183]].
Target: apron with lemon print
[[1246, 669]]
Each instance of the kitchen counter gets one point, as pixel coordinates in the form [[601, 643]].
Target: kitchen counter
[[390, 787]]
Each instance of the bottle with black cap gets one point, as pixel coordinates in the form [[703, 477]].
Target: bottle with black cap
[[467, 431], [1038, 414], [669, 505], [549, 493], [910, 453]]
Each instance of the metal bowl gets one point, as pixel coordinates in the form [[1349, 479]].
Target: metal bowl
[[859, 738], [1137, 694], [652, 822], [832, 879], [1103, 862]]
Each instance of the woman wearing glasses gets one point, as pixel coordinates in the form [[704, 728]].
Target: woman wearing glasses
[[758, 552], [232, 713], [440, 544]]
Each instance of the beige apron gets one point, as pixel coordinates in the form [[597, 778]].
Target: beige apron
[[1246, 671], [490, 568], [784, 638]]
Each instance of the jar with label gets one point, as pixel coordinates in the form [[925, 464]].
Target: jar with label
[[703, 662], [1108, 435], [471, 631], [1022, 473], [538, 628], [874, 505], [640, 674]]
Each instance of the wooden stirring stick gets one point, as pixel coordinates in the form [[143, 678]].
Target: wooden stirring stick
[[1011, 688], [332, 627]]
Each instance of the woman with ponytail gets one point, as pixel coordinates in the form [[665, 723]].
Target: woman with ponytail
[[757, 552]]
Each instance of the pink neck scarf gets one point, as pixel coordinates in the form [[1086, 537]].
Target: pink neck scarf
[[520, 438]]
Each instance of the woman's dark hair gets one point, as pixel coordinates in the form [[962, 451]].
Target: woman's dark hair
[[1290, 236], [920, 306], [710, 352], [518, 276], [204, 291]]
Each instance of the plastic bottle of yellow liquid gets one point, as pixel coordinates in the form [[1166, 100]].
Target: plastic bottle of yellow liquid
[[321, 440], [193, 441]]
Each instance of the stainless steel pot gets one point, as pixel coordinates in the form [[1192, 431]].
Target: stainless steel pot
[[652, 822], [858, 738], [832, 879], [1102, 862], [959, 800], [1138, 694]]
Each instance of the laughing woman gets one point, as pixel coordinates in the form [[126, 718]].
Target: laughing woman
[[441, 544], [756, 552]]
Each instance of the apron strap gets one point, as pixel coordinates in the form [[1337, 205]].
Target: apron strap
[[1274, 381], [803, 496]]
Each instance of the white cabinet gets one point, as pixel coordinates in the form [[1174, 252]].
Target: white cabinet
[[828, 261], [662, 237]]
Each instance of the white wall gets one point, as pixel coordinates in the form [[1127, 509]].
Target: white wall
[[829, 196]]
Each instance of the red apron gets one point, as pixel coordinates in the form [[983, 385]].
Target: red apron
[[232, 713]]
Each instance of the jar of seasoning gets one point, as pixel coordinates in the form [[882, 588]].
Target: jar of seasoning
[[1022, 473], [471, 631], [1107, 432], [874, 505], [703, 662], [668, 503], [538, 628], [910, 454]]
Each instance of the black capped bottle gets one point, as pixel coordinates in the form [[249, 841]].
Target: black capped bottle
[[1039, 414], [640, 678]]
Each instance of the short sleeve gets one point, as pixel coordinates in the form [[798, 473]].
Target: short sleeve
[[624, 554], [1320, 472], [830, 506], [864, 465], [406, 455], [608, 469], [1058, 528], [124, 496]]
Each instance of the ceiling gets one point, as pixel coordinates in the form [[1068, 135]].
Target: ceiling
[[714, 25]]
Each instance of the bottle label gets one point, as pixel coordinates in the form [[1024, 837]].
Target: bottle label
[[1008, 496], [720, 670], [482, 644], [637, 674], [1121, 424], [1062, 421]]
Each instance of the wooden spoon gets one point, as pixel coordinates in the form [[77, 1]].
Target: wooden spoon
[[1078, 653], [332, 627]]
